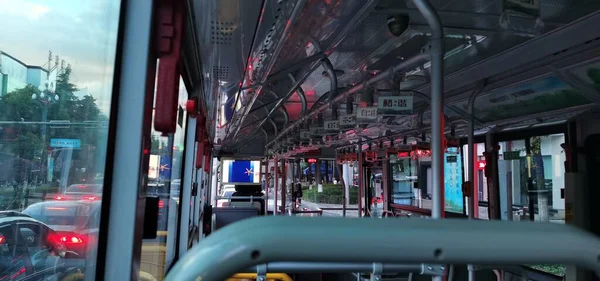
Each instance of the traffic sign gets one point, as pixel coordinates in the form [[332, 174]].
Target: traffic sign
[[65, 143]]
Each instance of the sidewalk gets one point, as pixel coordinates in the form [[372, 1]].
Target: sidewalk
[[331, 213]]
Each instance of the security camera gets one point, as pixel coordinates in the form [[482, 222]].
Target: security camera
[[398, 24]]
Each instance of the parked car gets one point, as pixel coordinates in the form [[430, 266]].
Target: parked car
[[75, 222], [75, 225], [30, 250], [85, 191]]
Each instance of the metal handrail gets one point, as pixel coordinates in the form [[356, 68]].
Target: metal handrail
[[339, 267], [255, 241]]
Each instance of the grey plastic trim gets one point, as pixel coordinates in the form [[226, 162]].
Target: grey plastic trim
[[127, 200], [249, 242], [186, 188]]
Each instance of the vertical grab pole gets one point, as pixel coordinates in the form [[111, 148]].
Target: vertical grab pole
[[437, 108], [471, 161], [437, 101], [267, 185], [473, 205], [361, 179], [283, 184], [276, 187], [471, 172], [341, 176]]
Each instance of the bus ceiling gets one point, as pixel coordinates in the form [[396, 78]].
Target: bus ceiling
[[264, 73]]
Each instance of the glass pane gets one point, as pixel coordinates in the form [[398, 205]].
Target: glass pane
[[405, 186], [511, 172], [589, 73], [547, 179], [164, 181], [56, 69], [535, 96], [480, 181]]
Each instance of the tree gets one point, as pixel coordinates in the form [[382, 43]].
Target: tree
[[594, 75], [18, 106]]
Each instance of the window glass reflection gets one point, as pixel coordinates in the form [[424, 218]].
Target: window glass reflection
[[56, 74], [164, 181]]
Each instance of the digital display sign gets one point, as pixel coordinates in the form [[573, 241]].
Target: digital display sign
[[453, 180], [241, 171]]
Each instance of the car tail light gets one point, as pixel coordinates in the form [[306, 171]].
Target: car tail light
[[19, 272], [59, 197], [65, 238], [55, 240], [71, 239], [2, 239], [91, 198], [161, 204]]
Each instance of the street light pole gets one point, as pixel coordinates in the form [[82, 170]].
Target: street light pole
[[46, 98]]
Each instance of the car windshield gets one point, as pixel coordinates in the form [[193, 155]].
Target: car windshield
[[75, 216], [84, 188]]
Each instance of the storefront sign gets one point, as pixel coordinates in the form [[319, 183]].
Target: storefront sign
[[394, 105]]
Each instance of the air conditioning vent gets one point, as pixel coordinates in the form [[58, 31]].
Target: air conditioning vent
[[222, 32], [221, 72]]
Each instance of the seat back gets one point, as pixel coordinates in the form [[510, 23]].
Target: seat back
[[243, 204], [226, 215], [257, 200]]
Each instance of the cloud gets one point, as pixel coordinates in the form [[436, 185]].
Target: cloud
[[83, 33], [26, 9]]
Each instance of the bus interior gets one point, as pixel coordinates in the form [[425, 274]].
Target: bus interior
[[302, 140]]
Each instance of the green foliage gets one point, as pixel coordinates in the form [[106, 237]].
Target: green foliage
[[28, 142], [558, 270], [332, 194], [594, 75], [157, 144]]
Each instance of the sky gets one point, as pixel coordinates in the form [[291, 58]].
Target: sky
[[82, 32]]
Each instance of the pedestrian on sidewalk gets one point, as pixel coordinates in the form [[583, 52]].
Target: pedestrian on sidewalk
[[298, 194]]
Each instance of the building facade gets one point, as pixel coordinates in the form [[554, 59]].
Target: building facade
[[15, 74]]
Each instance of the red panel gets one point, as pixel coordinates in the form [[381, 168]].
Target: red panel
[[200, 128], [169, 31], [199, 154], [191, 108]]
